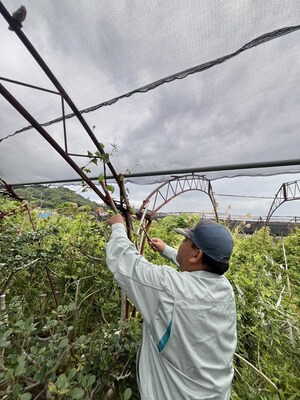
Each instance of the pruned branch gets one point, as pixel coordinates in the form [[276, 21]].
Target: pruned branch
[[258, 371]]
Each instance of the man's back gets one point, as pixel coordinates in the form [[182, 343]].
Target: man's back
[[188, 346]]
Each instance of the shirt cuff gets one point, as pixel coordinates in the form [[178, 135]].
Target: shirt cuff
[[118, 227], [168, 252]]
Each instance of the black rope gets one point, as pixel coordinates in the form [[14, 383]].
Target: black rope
[[179, 75]]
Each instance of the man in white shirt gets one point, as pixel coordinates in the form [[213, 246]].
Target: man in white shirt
[[189, 328]]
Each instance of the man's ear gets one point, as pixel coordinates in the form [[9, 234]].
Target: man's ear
[[196, 256]]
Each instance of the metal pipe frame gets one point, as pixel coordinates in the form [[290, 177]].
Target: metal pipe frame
[[166, 192], [172, 188], [288, 191], [28, 85], [168, 172], [9, 97], [49, 73], [292, 224], [58, 86]]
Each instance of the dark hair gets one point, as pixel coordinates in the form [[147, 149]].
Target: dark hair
[[211, 265], [214, 266]]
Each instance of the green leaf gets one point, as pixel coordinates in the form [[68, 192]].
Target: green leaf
[[52, 387], [63, 343], [77, 393], [33, 350], [51, 323], [50, 362], [101, 145], [91, 381], [7, 333], [16, 389], [105, 157], [94, 161], [21, 358], [90, 154], [110, 188], [9, 374], [61, 382], [20, 368], [25, 396], [127, 394], [72, 306], [132, 210], [88, 381], [281, 394], [4, 343], [101, 178], [72, 373]]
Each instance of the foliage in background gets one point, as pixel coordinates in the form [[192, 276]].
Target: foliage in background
[[51, 198], [61, 335]]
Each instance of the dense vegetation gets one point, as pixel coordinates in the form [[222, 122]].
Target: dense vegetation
[[61, 336], [51, 198]]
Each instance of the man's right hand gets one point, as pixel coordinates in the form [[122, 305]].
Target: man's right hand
[[115, 219], [157, 244]]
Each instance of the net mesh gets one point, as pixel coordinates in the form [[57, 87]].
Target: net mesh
[[173, 85]]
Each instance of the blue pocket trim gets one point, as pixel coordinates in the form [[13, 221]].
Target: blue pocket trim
[[164, 340]]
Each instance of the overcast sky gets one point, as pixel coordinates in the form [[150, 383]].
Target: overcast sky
[[252, 196], [245, 110]]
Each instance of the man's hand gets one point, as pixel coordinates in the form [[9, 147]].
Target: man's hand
[[116, 219], [157, 244]]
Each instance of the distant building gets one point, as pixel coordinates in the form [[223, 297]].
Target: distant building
[[101, 213], [45, 214]]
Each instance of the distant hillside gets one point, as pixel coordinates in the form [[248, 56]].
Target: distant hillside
[[45, 197]]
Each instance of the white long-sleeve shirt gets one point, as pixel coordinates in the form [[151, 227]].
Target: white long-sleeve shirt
[[189, 329]]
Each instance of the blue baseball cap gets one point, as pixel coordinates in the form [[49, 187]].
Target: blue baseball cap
[[212, 238]]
